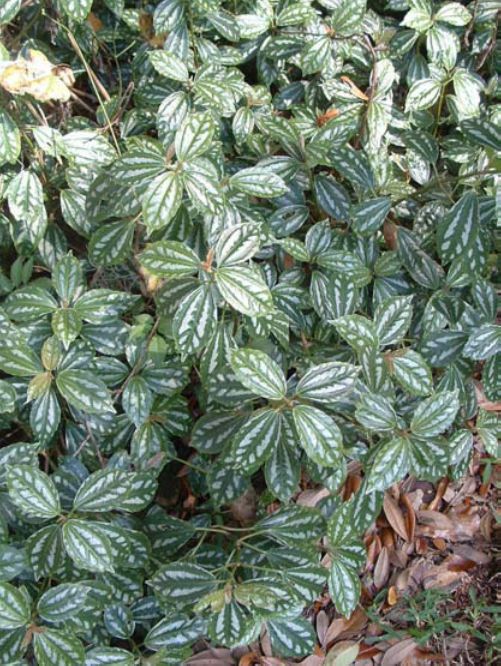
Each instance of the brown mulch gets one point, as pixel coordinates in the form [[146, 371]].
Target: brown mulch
[[438, 538]]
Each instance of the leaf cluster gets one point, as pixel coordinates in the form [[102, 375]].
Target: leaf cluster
[[255, 238]]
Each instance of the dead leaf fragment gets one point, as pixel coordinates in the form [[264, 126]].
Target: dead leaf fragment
[[396, 654], [342, 654], [395, 516], [328, 115], [382, 569], [342, 627], [35, 75]]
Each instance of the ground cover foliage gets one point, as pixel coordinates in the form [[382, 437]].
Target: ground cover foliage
[[255, 239]]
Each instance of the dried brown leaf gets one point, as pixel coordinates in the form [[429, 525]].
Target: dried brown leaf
[[342, 627], [322, 624], [343, 653], [382, 569], [396, 654], [212, 657], [395, 516]]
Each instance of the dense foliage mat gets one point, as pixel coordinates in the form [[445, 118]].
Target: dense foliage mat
[[246, 244]]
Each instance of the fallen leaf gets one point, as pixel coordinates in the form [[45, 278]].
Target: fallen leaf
[[212, 657], [395, 516], [346, 627], [95, 22], [244, 508], [328, 115], [37, 76], [313, 660], [355, 90], [410, 517], [483, 402], [392, 596], [321, 625], [396, 654], [249, 659], [312, 497], [442, 487], [367, 651], [425, 655], [382, 569], [342, 654]]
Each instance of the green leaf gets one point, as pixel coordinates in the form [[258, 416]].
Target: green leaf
[[195, 320], [440, 348], [66, 324], [483, 342], [492, 378], [258, 182], [10, 137], [182, 583], [67, 278], [194, 136], [59, 603], [225, 483], [19, 360], [231, 625], [319, 435], [376, 412], [29, 303], [332, 197], [137, 400], [292, 524], [162, 200], [15, 607], [109, 656], [327, 382], [169, 259], [201, 181], [453, 13], [390, 463], [77, 10], [460, 445], [244, 289], [238, 244], [83, 390], [169, 65], [458, 230], [33, 492], [359, 332], [482, 132], [412, 373], [88, 545], [174, 632], [111, 243], [422, 94], [282, 469], [435, 414], [367, 217], [45, 552], [7, 397], [259, 373], [291, 637], [344, 587], [45, 416], [254, 441], [102, 491], [392, 319], [213, 430], [58, 648]]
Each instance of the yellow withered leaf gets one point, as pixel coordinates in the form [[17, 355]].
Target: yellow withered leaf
[[35, 75]]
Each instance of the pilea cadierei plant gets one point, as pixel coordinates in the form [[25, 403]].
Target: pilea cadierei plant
[[248, 249]]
